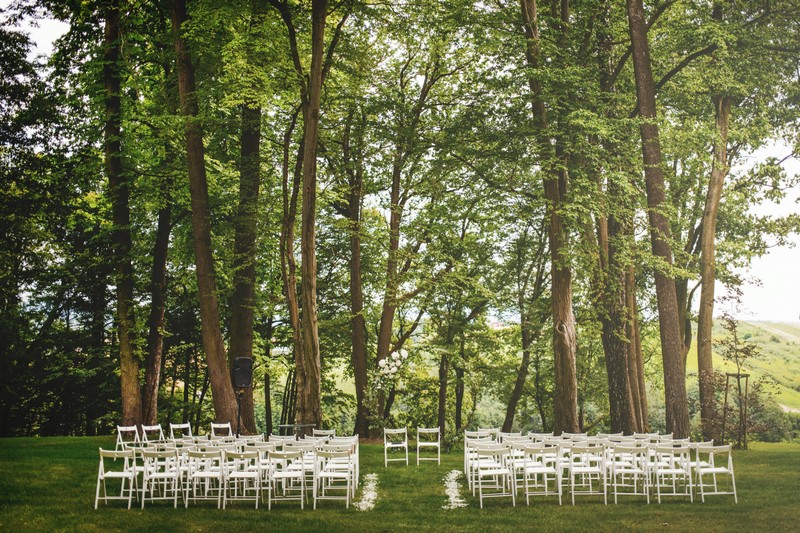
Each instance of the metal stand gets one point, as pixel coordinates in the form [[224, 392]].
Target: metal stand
[[239, 393], [742, 406]]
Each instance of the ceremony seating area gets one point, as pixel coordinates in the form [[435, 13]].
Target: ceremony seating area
[[643, 465], [223, 468]]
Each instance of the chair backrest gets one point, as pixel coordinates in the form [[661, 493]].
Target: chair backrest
[[151, 433], [221, 429], [183, 430], [323, 433], [429, 434], [395, 436], [127, 435]]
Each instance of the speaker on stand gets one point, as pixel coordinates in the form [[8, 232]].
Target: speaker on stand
[[242, 379]]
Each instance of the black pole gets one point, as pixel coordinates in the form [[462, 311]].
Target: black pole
[[238, 410]]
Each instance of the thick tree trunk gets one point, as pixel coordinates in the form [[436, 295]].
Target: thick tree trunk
[[677, 409], [565, 413], [309, 383], [218, 370], [705, 322], [244, 252], [119, 190]]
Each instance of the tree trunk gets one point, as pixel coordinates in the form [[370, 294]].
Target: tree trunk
[[158, 304], [522, 373], [705, 322], [442, 412], [635, 362], [358, 328], [119, 190], [309, 385], [244, 252], [218, 371], [677, 409]]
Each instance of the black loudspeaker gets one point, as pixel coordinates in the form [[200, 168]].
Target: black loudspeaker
[[242, 372]]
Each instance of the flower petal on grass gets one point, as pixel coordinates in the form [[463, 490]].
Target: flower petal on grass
[[369, 494], [453, 490]]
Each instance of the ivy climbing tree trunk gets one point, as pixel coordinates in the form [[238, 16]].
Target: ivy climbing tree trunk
[[677, 408], [119, 190], [218, 370]]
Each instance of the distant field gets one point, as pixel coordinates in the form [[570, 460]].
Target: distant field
[[780, 345]]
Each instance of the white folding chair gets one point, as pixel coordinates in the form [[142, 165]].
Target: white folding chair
[[222, 429], [587, 471], [671, 470], [161, 478], [126, 474], [334, 474], [493, 474], [242, 476], [127, 436], [395, 439], [540, 476], [716, 461], [323, 433], [183, 431], [286, 480], [429, 438], [204, 476], [152, 433], [627, 469]]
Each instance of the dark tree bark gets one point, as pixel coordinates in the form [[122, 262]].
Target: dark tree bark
[[358, 328], [243, 300], [158, 304], [119, 190], [218, 370], [635, 361], [705, 322], [309, 390], [555, 187], [441, 417], [677, 409]]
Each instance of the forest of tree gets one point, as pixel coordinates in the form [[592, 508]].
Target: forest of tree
[[403, 212]]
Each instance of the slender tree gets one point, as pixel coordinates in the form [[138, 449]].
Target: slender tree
[[677, 408], [218, 370]]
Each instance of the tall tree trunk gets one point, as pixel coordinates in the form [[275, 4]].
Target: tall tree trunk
[[309, 384], [244, 252], [390, 292], [158, 305], [288, 260], [677, 409], [358, 328], [218, 370], [119, 190], [705, 322], [635, 361], [565, 412]]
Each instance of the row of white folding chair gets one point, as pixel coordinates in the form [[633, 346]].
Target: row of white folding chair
[[397, 439]]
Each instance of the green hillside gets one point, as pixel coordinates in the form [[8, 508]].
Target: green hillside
[[780, 346]]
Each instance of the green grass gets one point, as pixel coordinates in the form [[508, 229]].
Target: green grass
[[47, 484]]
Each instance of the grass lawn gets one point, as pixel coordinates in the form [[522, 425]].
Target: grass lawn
[[47, 484]]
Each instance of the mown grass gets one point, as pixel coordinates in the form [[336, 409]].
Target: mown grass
[[47, 484]]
